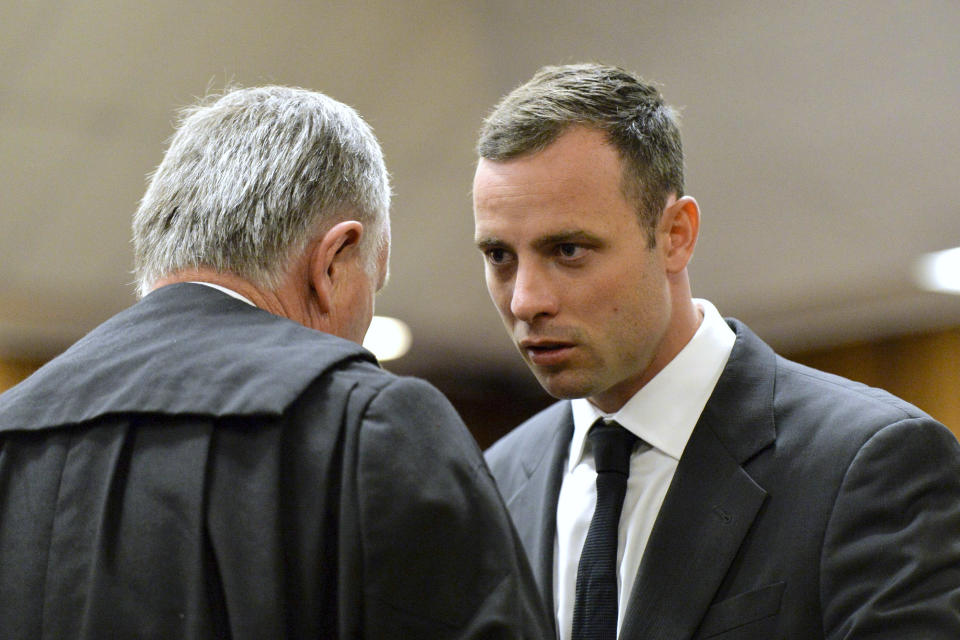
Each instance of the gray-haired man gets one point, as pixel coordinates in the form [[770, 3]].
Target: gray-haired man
[[223, 459]]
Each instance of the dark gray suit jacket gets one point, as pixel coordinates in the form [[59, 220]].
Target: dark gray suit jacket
[[804, 506], [199, 468]]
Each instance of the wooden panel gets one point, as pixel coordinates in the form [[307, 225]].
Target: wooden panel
[[922, 369], [13, 371]]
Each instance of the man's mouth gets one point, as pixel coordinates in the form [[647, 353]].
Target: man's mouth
[[546, 352]]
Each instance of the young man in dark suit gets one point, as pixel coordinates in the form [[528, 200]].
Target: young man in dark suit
[[223, 459], [692, 483]]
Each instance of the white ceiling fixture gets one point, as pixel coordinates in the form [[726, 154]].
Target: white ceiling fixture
[[939, 271], [387, 338]]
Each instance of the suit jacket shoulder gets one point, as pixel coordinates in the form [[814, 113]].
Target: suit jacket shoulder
[[183, 349], [816, 503]]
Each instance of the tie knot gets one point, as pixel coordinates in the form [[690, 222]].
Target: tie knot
[[612, 445]]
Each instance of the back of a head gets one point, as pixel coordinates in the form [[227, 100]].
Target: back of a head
[[638, 123], [250, 176]]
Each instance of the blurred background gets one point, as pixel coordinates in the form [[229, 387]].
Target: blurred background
[[822, 143]]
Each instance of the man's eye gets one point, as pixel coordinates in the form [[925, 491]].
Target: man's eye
[[569, 250], [497, 256]]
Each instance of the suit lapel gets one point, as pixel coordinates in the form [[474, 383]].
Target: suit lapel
[[536, 499], [711, 503], [709, 508]]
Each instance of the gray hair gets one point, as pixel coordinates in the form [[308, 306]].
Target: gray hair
[[250, 177], [638, 123]]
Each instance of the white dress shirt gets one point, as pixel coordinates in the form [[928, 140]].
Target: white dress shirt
[[222, 289], [663, 413]]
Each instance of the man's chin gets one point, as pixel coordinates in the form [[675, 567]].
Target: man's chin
[[562, 386]]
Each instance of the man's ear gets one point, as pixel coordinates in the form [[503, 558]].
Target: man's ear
[[329, 257], [679, 229]]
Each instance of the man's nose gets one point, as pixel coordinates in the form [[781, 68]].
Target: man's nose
[[533, 294]]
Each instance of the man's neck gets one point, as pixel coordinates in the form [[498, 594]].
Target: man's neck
[[266, 300]]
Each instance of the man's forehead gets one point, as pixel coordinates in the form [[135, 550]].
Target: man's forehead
[[518, 191], [525, 182], [527, 172]]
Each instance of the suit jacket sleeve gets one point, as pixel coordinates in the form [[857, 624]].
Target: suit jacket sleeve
[[891, 555], [440, 556]]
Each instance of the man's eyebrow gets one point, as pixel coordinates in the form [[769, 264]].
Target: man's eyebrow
[[489, 242], [572, 235], [560, 237]]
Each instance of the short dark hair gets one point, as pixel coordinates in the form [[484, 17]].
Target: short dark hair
[[633, 114]]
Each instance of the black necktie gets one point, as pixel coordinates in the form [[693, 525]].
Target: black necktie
[[595, 607]]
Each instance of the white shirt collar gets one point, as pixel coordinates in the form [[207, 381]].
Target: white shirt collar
[[229, 292], [664, 412]]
